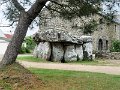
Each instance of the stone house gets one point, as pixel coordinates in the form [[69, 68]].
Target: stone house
[[105, 34], [102, 37]]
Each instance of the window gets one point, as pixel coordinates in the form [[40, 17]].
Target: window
[[100, 44], [115, 28]]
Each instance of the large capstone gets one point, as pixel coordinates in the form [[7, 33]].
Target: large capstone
[[70, 53], [56, 36], [44, 50], [57, 52]]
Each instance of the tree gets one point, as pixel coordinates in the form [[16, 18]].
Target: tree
[[17, 12], [25, 19]]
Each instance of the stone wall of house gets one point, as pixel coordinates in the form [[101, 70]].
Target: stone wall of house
[[104, 32], [61, 46], [110, 55], [48, 22], [114, 55]]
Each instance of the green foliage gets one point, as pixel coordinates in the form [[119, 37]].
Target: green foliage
[[70, 9], [90, 27], [115, 46], [24, 50], [67, 9], [29, 45]]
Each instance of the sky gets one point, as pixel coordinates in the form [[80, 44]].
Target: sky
[[10, 30]]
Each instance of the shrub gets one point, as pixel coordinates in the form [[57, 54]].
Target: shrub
[[30, 45], [115, 46], [22, 50]]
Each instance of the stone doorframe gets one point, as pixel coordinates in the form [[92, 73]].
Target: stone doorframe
[[102, 44]]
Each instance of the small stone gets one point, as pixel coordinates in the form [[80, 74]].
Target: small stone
[[15, 85], [1, 88]]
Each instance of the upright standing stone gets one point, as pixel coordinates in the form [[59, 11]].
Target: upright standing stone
[[79, 51], [57, 52], [87, 50], [70, 53], [44, 50], [35, 52]]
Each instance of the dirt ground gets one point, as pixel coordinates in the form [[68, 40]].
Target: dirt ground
[[74, 67], [77, 67]]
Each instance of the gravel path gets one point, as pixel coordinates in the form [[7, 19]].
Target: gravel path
[[101, 69]]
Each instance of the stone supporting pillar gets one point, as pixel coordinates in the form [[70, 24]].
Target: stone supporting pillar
[[44, 50], [35, 52], [87, 47], [87, 50], [79, 51], [70, 53], [57, 52]]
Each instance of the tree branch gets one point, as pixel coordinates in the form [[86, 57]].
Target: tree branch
[[49, 8], [8, 25], [53, 1], [3, 2], [36, 8], [17, 5]]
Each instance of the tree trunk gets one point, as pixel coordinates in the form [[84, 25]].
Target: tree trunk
[[17, 39], [20, 32]]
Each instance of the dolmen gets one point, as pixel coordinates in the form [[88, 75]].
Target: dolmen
[[61, 46]]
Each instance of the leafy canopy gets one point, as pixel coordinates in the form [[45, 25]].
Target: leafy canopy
[[67, 9]]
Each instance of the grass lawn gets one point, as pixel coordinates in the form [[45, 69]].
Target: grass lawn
[[94, 62], [73, 80], [16, 77], [30, 59]]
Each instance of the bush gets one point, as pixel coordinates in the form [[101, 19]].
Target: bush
[[30, 45], [115, 46], [22, 50]]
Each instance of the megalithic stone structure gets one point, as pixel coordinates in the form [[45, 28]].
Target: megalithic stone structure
[[61, 46]]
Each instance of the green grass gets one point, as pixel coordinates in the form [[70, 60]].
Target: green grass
[[16, 77], [30, 59], [34, 59], [73, 80], [94, 62]]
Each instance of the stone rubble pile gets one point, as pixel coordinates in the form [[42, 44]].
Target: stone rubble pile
[[61, 46]]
